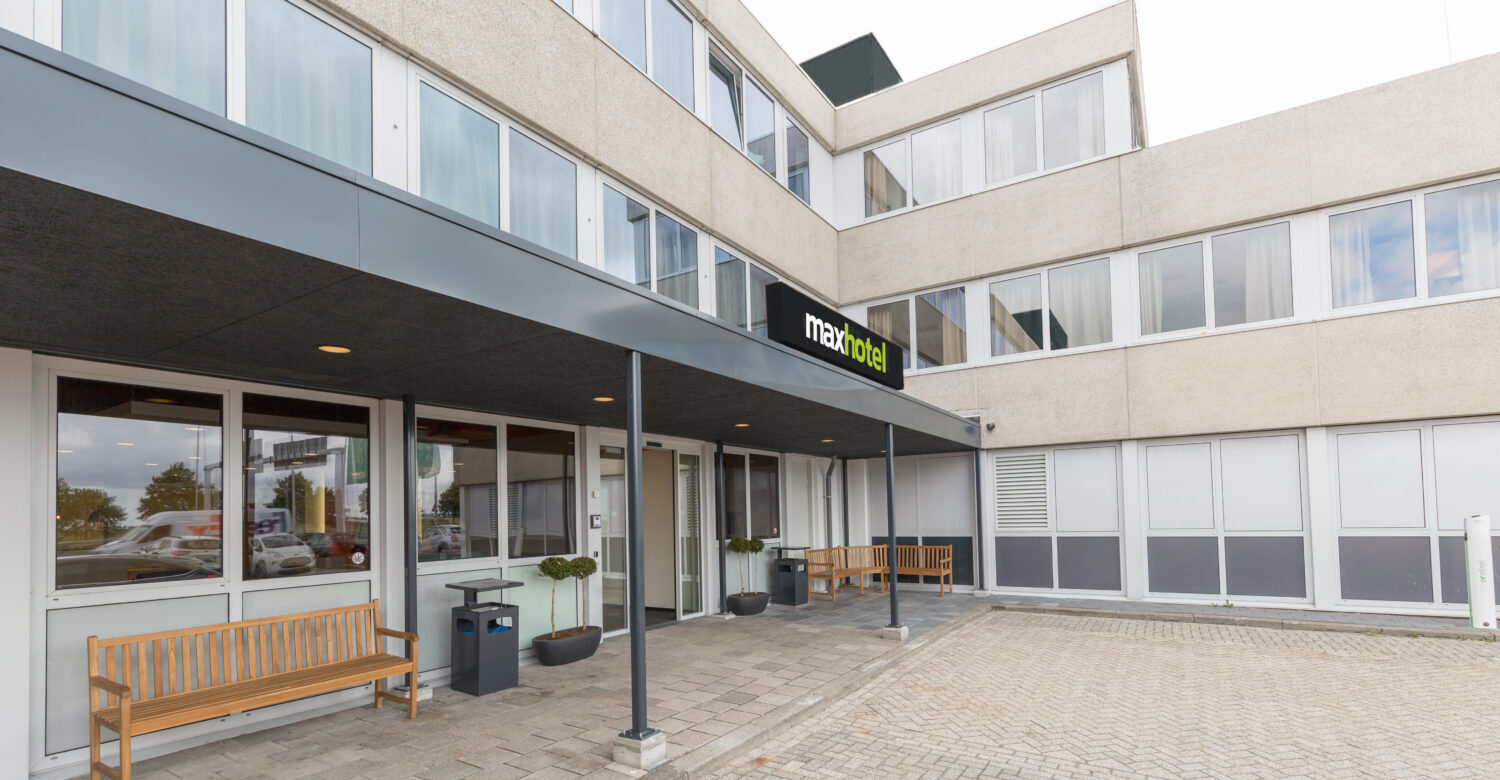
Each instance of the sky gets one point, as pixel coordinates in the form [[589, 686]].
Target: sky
[[1206, 63]]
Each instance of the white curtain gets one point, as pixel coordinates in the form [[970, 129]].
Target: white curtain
[[1079, 303], [172, 46], [543, 196], [729, 282], [676, 261], [1371, 255], [622, 24], [1010, 141], [672, 50], [1463, 239], [1172, 289], [937, 164], [1073, 121], [460, 157], [1253, 275], [760, 128], [1151, 292]]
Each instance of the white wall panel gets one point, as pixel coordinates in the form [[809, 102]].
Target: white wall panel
[[1262, 483], [906, 497], [946, 488], [1085, 486], [1179, 487], [305, 598], [1466, 457], [1380, 480]]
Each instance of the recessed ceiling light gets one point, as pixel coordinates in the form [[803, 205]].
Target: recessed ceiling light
[[742, 425], [603, 399], [194, 457], [64, 450], [153, 464], [457, 463], [249, 468], [828, 441], [296, 463], [334, 349], [160, 401], [125, 443], [193, 428]]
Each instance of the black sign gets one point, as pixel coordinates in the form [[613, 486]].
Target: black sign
[[805, 325]]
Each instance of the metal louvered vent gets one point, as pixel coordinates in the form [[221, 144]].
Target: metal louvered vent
[[1021, 492]]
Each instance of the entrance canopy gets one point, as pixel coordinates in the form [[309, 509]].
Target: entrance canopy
[[137, 229]]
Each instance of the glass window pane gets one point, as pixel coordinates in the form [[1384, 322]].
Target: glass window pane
[[543, 196], [566, 4], [940, 328], [765, 497], [672, 51], [1079, 305], [622, 24], [724, 97], [1172, 289], [458, 504], [760, 128], [1010, 141], [936, 164], [892, 322], [885, 179], [460, 157], [139, 484], [734, 495], [172, 46], [612, 537], [758, 281], [539, 474], [627, 238], [307, 84], [1073, 121], [797, 168], [676, 261], [1463, 239], [690, 534], [729, 282], [1253, 275], [1016, 315], [1372, 255], [307, 487]]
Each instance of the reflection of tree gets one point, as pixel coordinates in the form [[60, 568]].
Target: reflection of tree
[[297, 493], [447, 505], [175, 489], [87, 513]]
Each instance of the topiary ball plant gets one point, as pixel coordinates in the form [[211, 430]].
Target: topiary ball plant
[[556, 569]]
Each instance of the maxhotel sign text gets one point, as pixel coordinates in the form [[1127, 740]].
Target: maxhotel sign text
[[804, 324]]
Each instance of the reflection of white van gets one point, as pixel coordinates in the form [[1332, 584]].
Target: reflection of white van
[[202, 522]]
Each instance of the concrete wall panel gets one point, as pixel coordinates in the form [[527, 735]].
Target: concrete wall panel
[[753, 211], [1073, 398], [952, 390]]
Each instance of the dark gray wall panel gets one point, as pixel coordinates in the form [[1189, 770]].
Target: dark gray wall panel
[[1183, 564], [1023, 561], [1454, 571], [1265, 566], [1385, 568], [963, 558], [1088, 562]]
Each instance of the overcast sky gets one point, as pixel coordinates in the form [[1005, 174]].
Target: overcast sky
[[1207, 63]]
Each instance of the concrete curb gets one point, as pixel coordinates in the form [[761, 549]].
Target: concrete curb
[[1255, 622]]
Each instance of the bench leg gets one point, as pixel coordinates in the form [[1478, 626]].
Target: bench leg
[[379, 689], [411, 690], [125, 753], [93, 748]]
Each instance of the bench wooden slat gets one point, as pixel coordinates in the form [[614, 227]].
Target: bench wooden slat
[[836, 563]]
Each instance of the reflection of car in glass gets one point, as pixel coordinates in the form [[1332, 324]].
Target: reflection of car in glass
[[440, 539], [202, 522], [321, 544], [273, 555], [79, 571], [202, 548]]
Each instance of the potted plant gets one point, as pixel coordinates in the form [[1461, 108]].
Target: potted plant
[[753, 602], [570, 644]]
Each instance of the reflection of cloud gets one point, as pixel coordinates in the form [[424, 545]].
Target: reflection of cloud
[[73, 437], [97, 462]]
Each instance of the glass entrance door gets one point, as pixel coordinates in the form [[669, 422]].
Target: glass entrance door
[[612, 555]]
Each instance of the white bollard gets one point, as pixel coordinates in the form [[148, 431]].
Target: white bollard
[[1481, 566]]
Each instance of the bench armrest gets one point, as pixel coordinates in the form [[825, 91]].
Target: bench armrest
[[394, 634], [118, 689]]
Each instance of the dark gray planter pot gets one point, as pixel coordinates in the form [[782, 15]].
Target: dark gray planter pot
[[747, 604], [566, 649]]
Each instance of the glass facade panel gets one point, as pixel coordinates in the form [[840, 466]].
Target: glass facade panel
[[798, 171], [1463, 239], [139, 484], [1073, 121], [627, 238], [937, 164], [765, 497], [892, 322], [672, 51], [724, 97], [1372, 255], [760, 128], [1079, 304], [758, 281], [539, 472], [307, 84], [307, 487], [885, 179], [729, 284], [1016, 315], [172, 46], [736, 511], [676, 261], [460, 157], [1010, 141], [622, 24], [612, 553], [543, 196], [1172, 289], [690, 535], [940, 328], [458, 505], [1253, 275]]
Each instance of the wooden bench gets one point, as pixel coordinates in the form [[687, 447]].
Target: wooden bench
[[931, 560], [836, 563], [151, 682]]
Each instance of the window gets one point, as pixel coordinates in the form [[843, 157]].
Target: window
[[1010, 141], [752, 493], [627, 238], [457, 502], [760, 128], [1016, 315], [885, 178], [567, 5], [307, 487], [539, 473], [622, 24], [1079, 305], [307, 83], [1463, 239], [729, 284], [676, 261], [797, 168], [724, 96], [1253, 275], [1372, 255], [543, 196], [892, 322], [672, 51], [172, 46], [460, 157], [758, 281], [1073, 121], [940, 328], [137, 466], [1172, 289], [937, 164]]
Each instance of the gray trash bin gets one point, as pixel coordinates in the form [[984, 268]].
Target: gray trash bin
[[486, 641], [789, 581]]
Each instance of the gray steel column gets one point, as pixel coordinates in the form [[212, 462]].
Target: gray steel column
[[846, 501], [890, 519], [978, 522], [635, 549], [723, 523], [409, 460]]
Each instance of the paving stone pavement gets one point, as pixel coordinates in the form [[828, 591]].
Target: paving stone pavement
[[1050, 696], [921, 610]]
